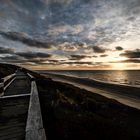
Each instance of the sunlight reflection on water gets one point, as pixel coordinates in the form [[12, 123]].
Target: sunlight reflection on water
[[130, 77]]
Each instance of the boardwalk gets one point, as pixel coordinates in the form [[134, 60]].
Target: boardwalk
[[14, 109], [21, 85]]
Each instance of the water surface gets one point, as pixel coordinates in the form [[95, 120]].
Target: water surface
[[129, 77]]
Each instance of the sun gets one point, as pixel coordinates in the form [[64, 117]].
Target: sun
[[119, 66]]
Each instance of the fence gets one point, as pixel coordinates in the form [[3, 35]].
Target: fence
[[34, 126], [5, 82]]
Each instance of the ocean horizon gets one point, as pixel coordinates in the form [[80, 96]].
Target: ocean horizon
[[128, 77]]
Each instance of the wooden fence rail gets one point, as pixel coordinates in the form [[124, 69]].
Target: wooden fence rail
[[34, 126], [5, 82]]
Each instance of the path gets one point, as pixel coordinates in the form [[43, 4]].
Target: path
[[14, 108]]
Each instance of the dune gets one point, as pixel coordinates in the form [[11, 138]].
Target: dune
[[70, 112]]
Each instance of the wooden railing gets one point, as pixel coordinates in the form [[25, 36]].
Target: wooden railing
[[31, 77], [34, 126], [5, 82]]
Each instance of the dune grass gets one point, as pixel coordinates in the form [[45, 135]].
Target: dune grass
[[6, 69], [71, 113]]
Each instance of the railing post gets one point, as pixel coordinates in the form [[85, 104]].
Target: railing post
[[1, 87], [32, 78]]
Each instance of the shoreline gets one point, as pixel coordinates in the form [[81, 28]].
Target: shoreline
[[126, 99], [71, 113]]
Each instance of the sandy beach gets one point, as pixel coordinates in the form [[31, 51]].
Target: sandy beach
[[71, 112], [132, 100], [74, 108]]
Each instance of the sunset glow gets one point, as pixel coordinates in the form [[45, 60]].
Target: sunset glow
[[69, 34]]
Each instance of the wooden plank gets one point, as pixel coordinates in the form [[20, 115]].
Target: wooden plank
[[9, 77], [14, 96], [13, 117], [36, 134], [6, 82], [21, 85], [31, 77], [34, 127], [1, 87], [9, 83]]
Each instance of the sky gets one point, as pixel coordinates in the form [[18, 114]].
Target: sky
[[70, 34]]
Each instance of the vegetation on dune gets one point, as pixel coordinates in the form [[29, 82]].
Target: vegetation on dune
[[7, 69], [71, 113]]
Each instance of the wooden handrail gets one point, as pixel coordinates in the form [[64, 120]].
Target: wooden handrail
[[14, 96], [8, 77], [34, 126], [5, 82], [31, 77]]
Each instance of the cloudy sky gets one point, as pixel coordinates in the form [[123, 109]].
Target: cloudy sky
[[70, 34]]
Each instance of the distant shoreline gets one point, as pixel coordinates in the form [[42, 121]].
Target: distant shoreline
[[89, 70], [81, 113], [82, 109], [121, 93]]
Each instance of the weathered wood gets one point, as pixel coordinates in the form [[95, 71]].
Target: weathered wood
[[31, 77], [36, 134], [1, 80], [13, 116], [1, 87], [14, 96], [5, 83], [19, 90], [34, 127], [10, 82], [21, 85], [14, 108], [9, 77]]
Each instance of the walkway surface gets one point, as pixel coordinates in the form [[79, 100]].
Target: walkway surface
[[21, 85], [14, 109]]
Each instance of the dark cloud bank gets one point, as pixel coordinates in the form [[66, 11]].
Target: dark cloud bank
[[101, 21], [131, 54], [15, 36]]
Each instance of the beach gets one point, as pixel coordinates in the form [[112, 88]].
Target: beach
[[71, 112], [126, 94], [75, 108]]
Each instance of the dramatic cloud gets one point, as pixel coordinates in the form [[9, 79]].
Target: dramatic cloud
[[131, 54], [6, 50], [88, 63], [79, 57], [57, 30], [130, 60], [24, 38], [98, 49], [12, 59], [67, 47], [118, 48], [25, 57], [31, 55], [104, 55], [70, 29]]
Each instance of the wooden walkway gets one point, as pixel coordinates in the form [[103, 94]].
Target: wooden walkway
[[14, 108], [21, 85]]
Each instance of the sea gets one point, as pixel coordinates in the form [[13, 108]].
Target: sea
[[128, 77]]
